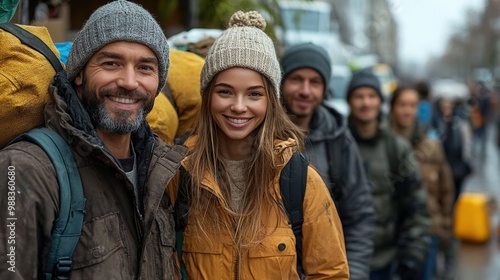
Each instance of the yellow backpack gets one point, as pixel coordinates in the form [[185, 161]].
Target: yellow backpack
[[25, 76], [176, 110]]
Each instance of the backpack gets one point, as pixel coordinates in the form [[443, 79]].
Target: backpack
[[67, 228], [336, 167], [293, 181], [26, 56], [183, 91]]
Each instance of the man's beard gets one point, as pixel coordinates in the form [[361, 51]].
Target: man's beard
[[289, 111], [119, 123]]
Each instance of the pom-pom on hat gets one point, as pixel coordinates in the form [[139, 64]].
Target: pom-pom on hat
[[243, 44], [118, 21]]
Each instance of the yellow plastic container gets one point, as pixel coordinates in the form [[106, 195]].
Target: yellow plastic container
[[471, 221]]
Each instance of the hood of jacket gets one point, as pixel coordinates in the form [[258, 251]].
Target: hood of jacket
[[326, 124]]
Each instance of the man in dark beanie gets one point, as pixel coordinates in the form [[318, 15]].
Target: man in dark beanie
[[116, 67], [331, 149], [364, 78], [402, 232]]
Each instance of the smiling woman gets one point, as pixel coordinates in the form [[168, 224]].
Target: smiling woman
[[241, 142], [239, 105]]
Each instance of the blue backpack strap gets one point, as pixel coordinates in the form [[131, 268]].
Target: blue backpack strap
[[68, 226], [293, 180]]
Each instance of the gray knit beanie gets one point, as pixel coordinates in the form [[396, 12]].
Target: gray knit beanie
[[118, 21], [307, 55], [364, 78], [243, 44]]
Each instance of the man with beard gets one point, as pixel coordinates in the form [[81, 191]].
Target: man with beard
[[331, 149], [116, 67], [402, 235]]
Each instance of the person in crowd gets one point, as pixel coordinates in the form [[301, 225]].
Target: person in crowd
[[424, 112], [479, 104], [402, 231], [436, 173], [331, 148], [117, 65], [454, 133], [237, 226]]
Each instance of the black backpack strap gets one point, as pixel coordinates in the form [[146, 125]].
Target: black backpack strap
[[181, 206], [68, 226], [392, 153], [170, 96], [181, 209], [293, 180], [34, 42], [336, 168], [182, 139]]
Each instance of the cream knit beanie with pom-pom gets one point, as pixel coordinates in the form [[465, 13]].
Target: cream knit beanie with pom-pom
[[243, 44]]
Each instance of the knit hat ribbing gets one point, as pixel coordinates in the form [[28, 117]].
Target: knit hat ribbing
[[307, 55], [118, 21], [243, 44]]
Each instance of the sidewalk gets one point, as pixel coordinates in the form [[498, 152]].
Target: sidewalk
[[482, 261]]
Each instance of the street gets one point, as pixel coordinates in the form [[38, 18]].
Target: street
[[482, 261]]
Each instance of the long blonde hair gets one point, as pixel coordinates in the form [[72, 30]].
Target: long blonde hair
[[258, 197]]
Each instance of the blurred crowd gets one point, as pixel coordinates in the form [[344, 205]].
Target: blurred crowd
[[382, 181]]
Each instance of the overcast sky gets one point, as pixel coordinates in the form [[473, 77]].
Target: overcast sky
[[425, 25]]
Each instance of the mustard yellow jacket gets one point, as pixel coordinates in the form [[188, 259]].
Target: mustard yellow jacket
[[213, 256]]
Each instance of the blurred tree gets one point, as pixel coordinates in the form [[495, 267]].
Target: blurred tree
[[216, 13], [490, 31], [474, 44]]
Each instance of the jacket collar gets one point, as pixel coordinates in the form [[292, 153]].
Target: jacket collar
[[283, 151], [381, 130], [326, 124]]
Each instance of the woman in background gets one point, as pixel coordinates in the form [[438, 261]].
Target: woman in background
[[434, 169]]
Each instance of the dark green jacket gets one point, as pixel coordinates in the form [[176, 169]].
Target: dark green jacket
[[402, 231]]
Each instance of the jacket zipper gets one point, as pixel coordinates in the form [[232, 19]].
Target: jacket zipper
[[237, 267], [138, 218]]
